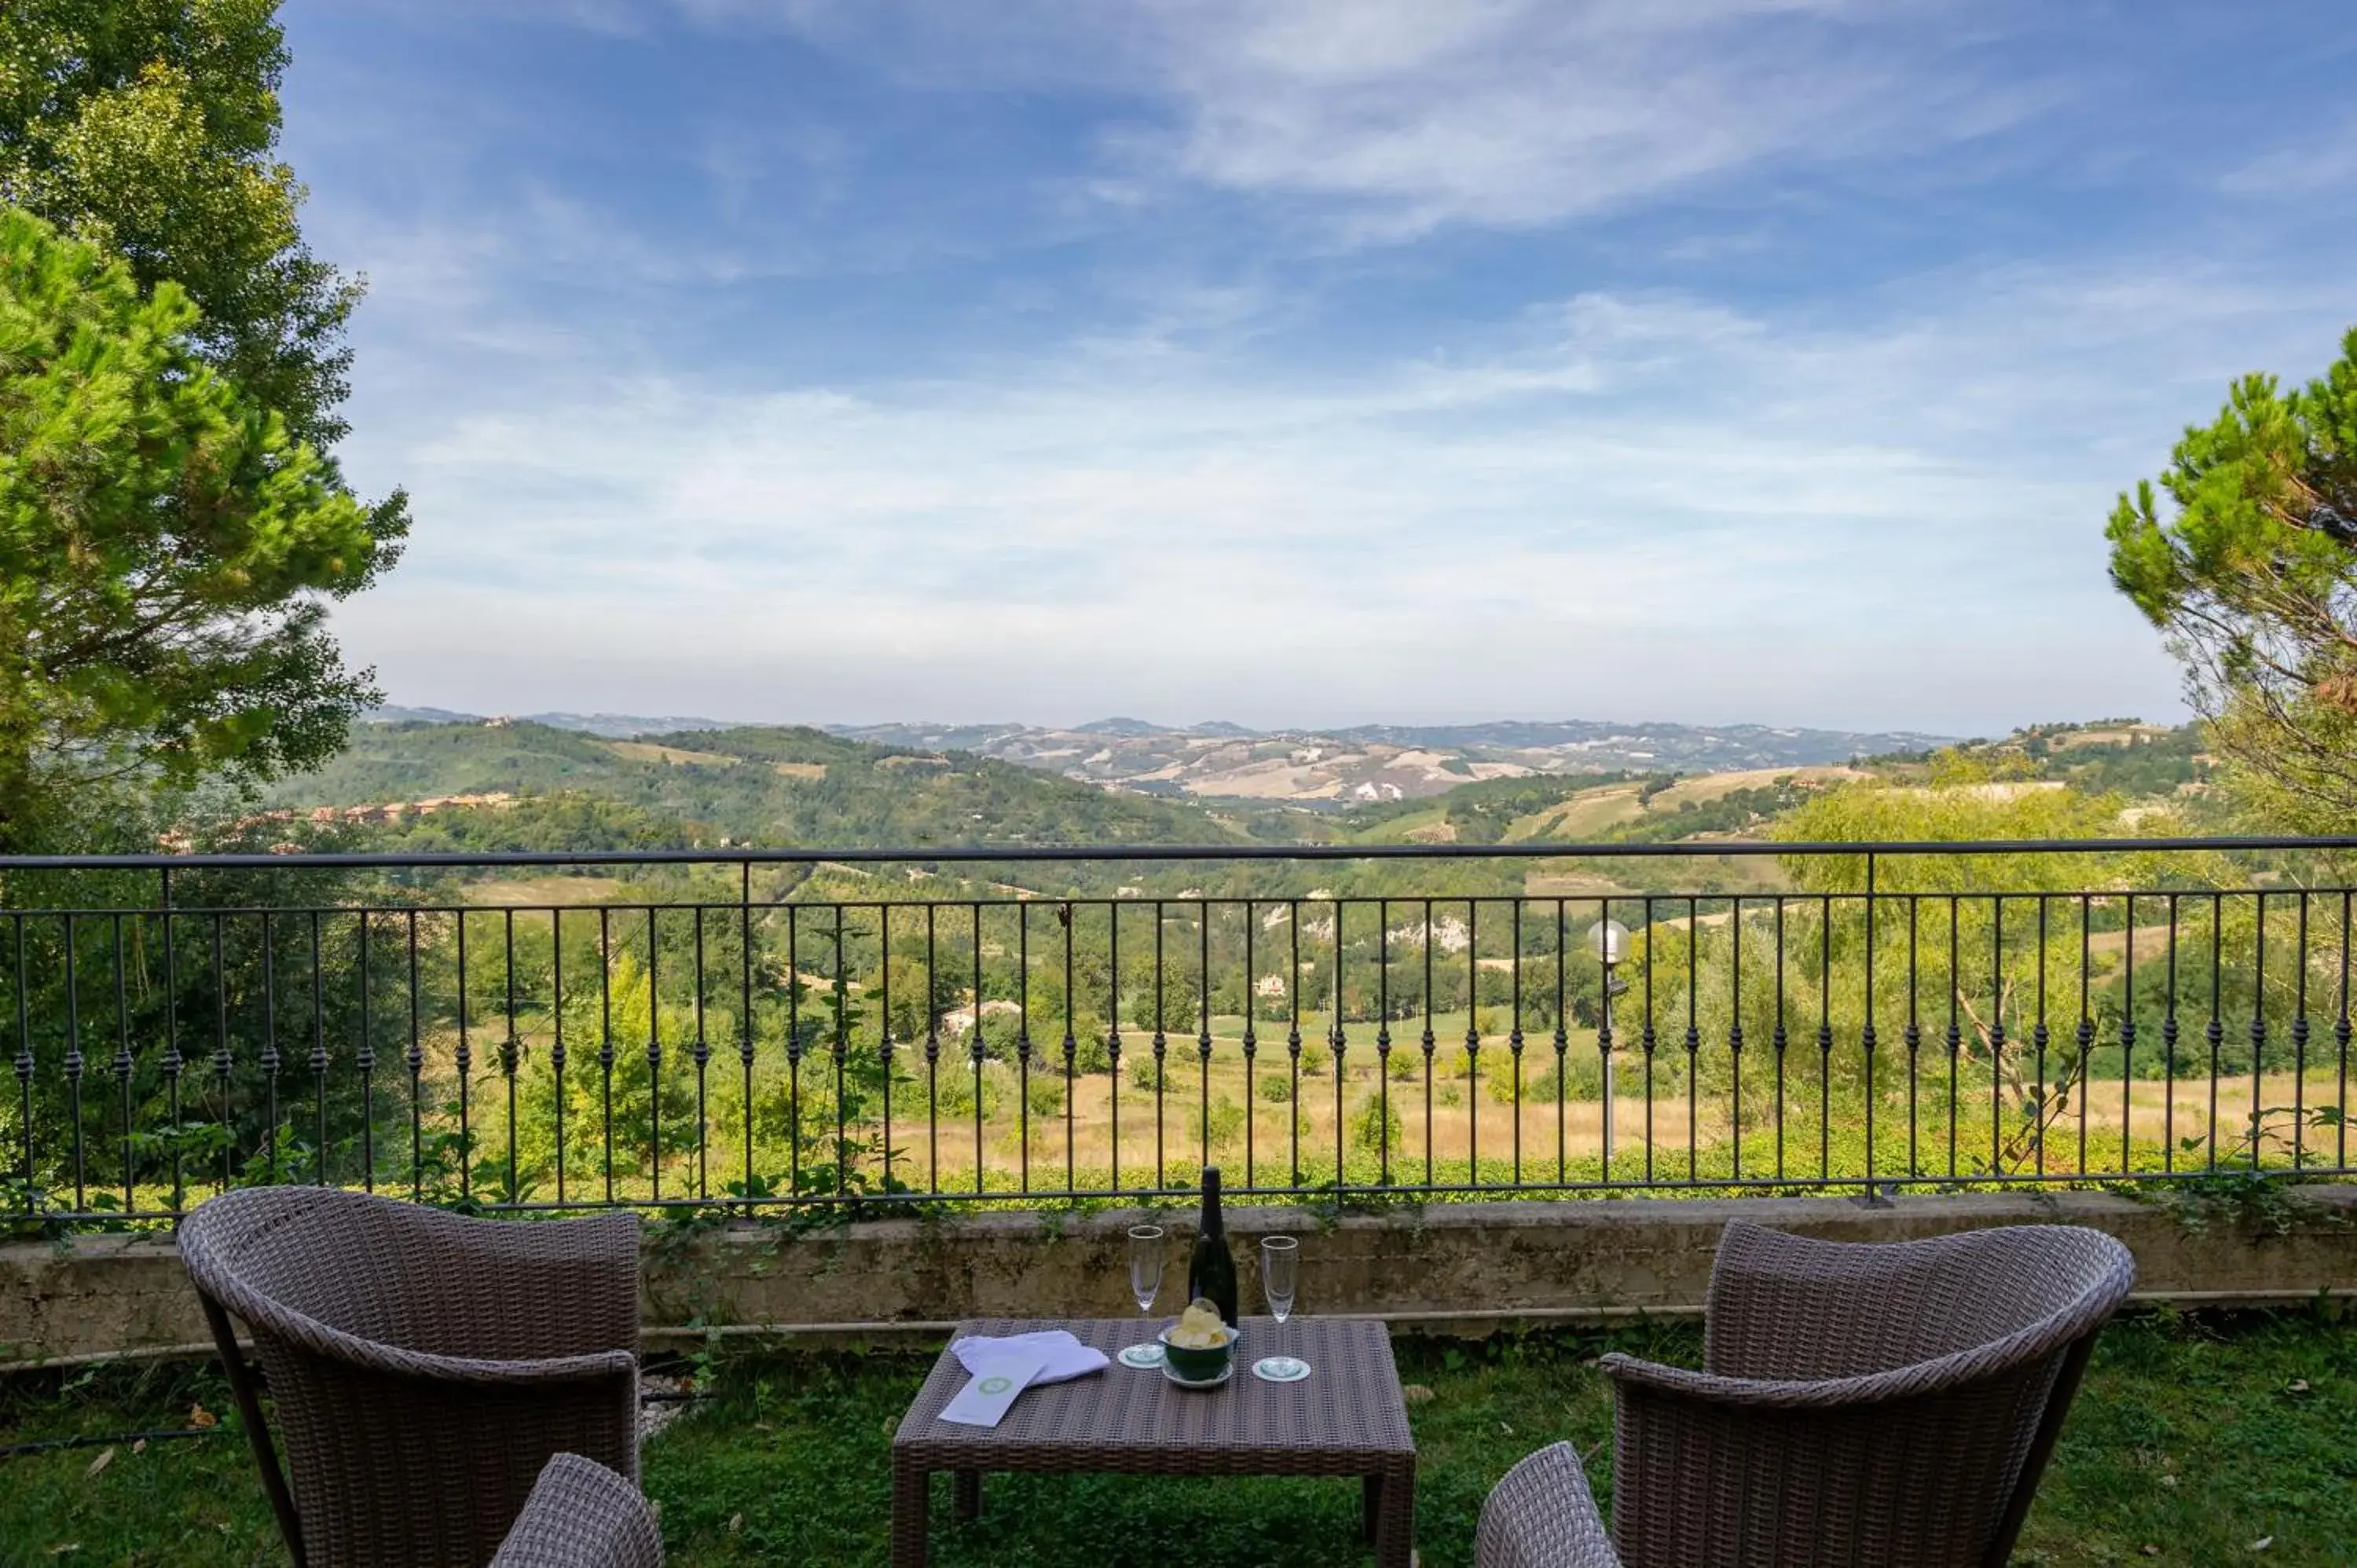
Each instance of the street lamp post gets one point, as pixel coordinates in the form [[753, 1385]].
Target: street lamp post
[[1610, 940]]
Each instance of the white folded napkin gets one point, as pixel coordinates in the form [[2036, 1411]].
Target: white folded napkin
[[1066, 1357]]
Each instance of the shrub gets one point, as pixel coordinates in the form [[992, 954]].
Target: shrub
[[1276, 1086], [1226, 1121], [956, 1090], [1044, 1093], [1373, 1124]]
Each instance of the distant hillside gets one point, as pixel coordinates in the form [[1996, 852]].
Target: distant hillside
[[619, 726], [750, 785], [1373, 764]]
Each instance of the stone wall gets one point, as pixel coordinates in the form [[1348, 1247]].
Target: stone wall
[[1451, 1268]]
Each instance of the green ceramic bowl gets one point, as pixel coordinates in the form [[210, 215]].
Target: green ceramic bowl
[[1198, 1365]]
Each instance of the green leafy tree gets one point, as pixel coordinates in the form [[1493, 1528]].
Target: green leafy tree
[[167, 547], [2251, 572], [149, 127]]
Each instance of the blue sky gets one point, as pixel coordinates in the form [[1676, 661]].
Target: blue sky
[[1303, 362]]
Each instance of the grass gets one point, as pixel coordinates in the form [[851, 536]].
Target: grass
[[2195, 1439]]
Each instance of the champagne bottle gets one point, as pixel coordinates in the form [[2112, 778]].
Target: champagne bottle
[[1211, 1271]]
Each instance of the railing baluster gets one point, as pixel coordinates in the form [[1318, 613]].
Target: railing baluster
[[2300, 1045], [2038, 1102], [1514, 1039], [841, 1000], [1203, 1028], [1340, 1042], [25, 1065], [933, 1051], [745, 1021], [1251, 1046], [1023, 1038], [1473, 1042], [1427, 1042], [2259, 1020], [794, 1055], [1781, 1040], [415, 1061], [1865, 1034], [1562, 1039], [977, 1051], [173, 1065], [1608, 1096], [1071, 1056], [1824, 1041], [1383, 1038], [556, 1041], [74, 1067], [1693, 1039], [1997, 1032], [510, 1049], [365, 1059], [465, 1060], [1955, 1030], [2341, 1032], [1112, 1037], [318, 1052], [2169, 1033], [884, 1047], [654, 1060], [605, 1035], [2127, 1040], [270, 1060], [701, 1056], [1735, 1038], [1914, 1036], [2080, 1076], [2216, 1032], [123, 1066]]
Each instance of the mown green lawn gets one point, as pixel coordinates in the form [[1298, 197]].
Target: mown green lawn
[[2197, 1441]]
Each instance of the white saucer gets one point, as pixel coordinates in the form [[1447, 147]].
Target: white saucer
[[1225, 1373], [1280, 1369], [1145, 1358]]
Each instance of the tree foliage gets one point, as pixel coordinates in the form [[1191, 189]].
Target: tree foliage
[[148, 127], [2251, 572], [167, 546]]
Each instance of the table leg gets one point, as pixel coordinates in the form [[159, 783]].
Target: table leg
[[967, 1491], [1371, 1505], [1395, 1518], [909, 1507]]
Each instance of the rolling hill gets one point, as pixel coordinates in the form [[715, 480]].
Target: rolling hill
[[744, 786]]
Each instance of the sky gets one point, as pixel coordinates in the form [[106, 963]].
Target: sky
[[1303, 363]]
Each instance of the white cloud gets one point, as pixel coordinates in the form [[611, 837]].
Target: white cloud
[[1409, 114], [1727, 514]]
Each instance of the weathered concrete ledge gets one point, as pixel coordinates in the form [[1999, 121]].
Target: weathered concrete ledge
[[1453, 1268]]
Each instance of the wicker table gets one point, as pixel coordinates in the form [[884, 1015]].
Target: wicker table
[[1347, 1419]]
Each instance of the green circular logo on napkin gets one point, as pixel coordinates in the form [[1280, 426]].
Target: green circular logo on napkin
[[991, 1386]]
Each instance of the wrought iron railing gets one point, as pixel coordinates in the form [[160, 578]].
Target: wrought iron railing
[[897, 1026]]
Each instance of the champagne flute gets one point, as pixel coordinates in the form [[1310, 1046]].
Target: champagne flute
[[1146, 1264], [1279, 1258]]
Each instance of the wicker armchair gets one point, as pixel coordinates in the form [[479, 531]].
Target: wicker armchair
[[424, 1365], [582, 1515], [1892, 1404]]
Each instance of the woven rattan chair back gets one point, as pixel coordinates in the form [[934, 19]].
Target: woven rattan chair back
[[1888, 1404], [424, 1367]]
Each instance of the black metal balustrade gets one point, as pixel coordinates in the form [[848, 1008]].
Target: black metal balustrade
[[790, 1027]]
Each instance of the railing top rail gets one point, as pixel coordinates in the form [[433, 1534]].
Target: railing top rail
[[1036, 854]]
